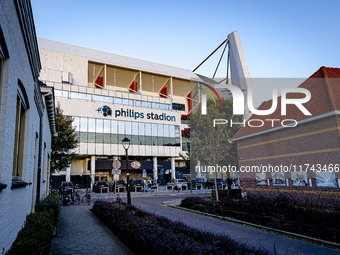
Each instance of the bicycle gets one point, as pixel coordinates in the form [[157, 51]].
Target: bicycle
[[77, 198], [86, 198]]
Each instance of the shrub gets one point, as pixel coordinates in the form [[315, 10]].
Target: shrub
[[50, 203], [147, 233], [278, 211], [225, 193], [35, 237]]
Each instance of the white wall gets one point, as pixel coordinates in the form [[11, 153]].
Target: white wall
[[15, 204]]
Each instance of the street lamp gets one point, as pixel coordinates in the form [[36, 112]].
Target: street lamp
[[126, 145]]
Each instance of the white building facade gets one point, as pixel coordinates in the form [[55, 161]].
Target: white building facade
[[26, 120], [111, 97]]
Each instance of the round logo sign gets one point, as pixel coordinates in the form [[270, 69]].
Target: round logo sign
[[135, 164]]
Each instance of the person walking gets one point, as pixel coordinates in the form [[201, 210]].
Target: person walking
[[144, 185], [176, 185], [149, 185]]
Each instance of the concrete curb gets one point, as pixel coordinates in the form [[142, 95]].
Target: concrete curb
[[319, 241]]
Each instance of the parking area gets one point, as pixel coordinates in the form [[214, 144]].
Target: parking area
[[159, 191]]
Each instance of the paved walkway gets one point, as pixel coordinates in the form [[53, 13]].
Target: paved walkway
[[80, 232]]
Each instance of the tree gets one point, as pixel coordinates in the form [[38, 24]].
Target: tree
[[212, 144], [186, 158], [64, 143]]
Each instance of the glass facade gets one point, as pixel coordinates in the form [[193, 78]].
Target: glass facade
[[110, 100], [93, 130]]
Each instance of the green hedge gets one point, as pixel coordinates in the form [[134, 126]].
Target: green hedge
[[226, 193], [36, 235], [50, 203]]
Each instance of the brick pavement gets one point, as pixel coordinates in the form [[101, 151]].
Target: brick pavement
[[80, 232]]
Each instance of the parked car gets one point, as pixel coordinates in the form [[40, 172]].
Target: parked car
[[183, 183], [200, 180], [221, 183], [196, 184], [66, 187], [99, 185], [136, 183], [210, 183], [121, 183]]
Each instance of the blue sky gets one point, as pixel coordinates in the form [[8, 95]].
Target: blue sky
[[279, 38]]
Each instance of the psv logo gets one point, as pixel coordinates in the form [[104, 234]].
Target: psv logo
[[135, 164]]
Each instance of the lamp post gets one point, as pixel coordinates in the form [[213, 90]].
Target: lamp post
[[126, 145]]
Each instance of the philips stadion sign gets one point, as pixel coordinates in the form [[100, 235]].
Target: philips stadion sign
[[107, 111]]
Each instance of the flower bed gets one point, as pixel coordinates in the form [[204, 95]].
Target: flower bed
[[147, 233], [278, 211]]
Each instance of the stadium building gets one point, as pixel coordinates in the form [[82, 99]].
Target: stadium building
[[112, 97]]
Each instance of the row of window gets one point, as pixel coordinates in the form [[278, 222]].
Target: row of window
[[85, 137], [102, 126], [111, 100]]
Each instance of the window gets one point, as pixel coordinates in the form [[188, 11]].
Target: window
[[141, 129], [43, 163], [97, 98], [93, 130], [99, 126], [160, 130], [114, 127], [48, 173], [83, 125], [65, 94], [91, 125], [148, 131], [36, 153], [184, 121], [75, 123], [119, 101], [82, 97], [74, 96], [58, 93], [128, 130], [121, 128], [156, 106], [108, 100], [178, 107], [107, 126], [18, 154], [134, 128], [83, 137], [166, 131], [125, 101]]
